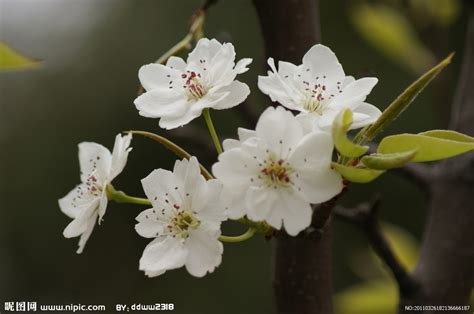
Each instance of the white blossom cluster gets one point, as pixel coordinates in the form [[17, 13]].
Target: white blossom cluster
[[273, 174]]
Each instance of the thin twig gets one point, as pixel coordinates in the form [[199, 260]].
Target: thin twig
[[194, 34], [365, 216], [208, 4]]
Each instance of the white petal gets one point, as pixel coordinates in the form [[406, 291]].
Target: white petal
[[296, 212], [245, 134], [318, 186], [277, 206], [151, 223], [309, 121], [230, 143], [347, 80], [194, 184], [288, 69], [211, 99], [326, 121], [72, 204], [120, 154], [156, 75], [85, 236], [189, 172], [175, 122], [162, 103], [221, 66], [260, 202], [314, 150], [279, 90], [234, 201], [209, 203], [205, 253], [321, 61], [176, 63], [364, 115], [205, 50], [162, 255], [241, 66], [280, 129], [102, 205], [354, 93], [237, 93], [94, 158], [235, 167], [87, 216], [160, 185], [313, 177]]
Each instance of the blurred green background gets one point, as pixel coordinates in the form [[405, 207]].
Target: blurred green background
[[84, 90]]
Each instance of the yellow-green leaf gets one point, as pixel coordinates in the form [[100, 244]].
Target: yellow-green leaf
[[442, 12], [375, 297], [13, 60], [388, 161], [346, 147], [449, 135], [404, 245], [392, 34], [429, 148], [355, 174], [401, 103]]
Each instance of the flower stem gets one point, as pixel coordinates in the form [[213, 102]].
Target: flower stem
[[177, 150], [247, 235], [212, 130], [121, 197]]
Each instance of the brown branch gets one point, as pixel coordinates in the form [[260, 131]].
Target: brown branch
[[445, 269], [365, 216], [302, 278]]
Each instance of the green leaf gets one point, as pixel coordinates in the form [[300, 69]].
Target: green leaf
[[388, 161], [404, 245], [390, 32], [442, 12], [449, 135], [358, 175], [13, 60], [429, 147], [177, 150], [373, 297], [401, 103], [346, 147]]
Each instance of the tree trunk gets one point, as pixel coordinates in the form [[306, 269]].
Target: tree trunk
[[302, 265], [445, 271]]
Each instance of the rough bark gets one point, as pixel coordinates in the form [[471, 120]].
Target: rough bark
[[302, 265], [445, 271]]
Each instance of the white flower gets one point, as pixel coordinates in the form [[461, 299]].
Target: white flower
[[87, 203], [185, 221], [275, 172], [178, 91], [319, 89]]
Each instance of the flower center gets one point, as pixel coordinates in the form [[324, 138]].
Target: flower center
[[94, 188], [315, 98], [193, 86], [183, 222], [276, 173]]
